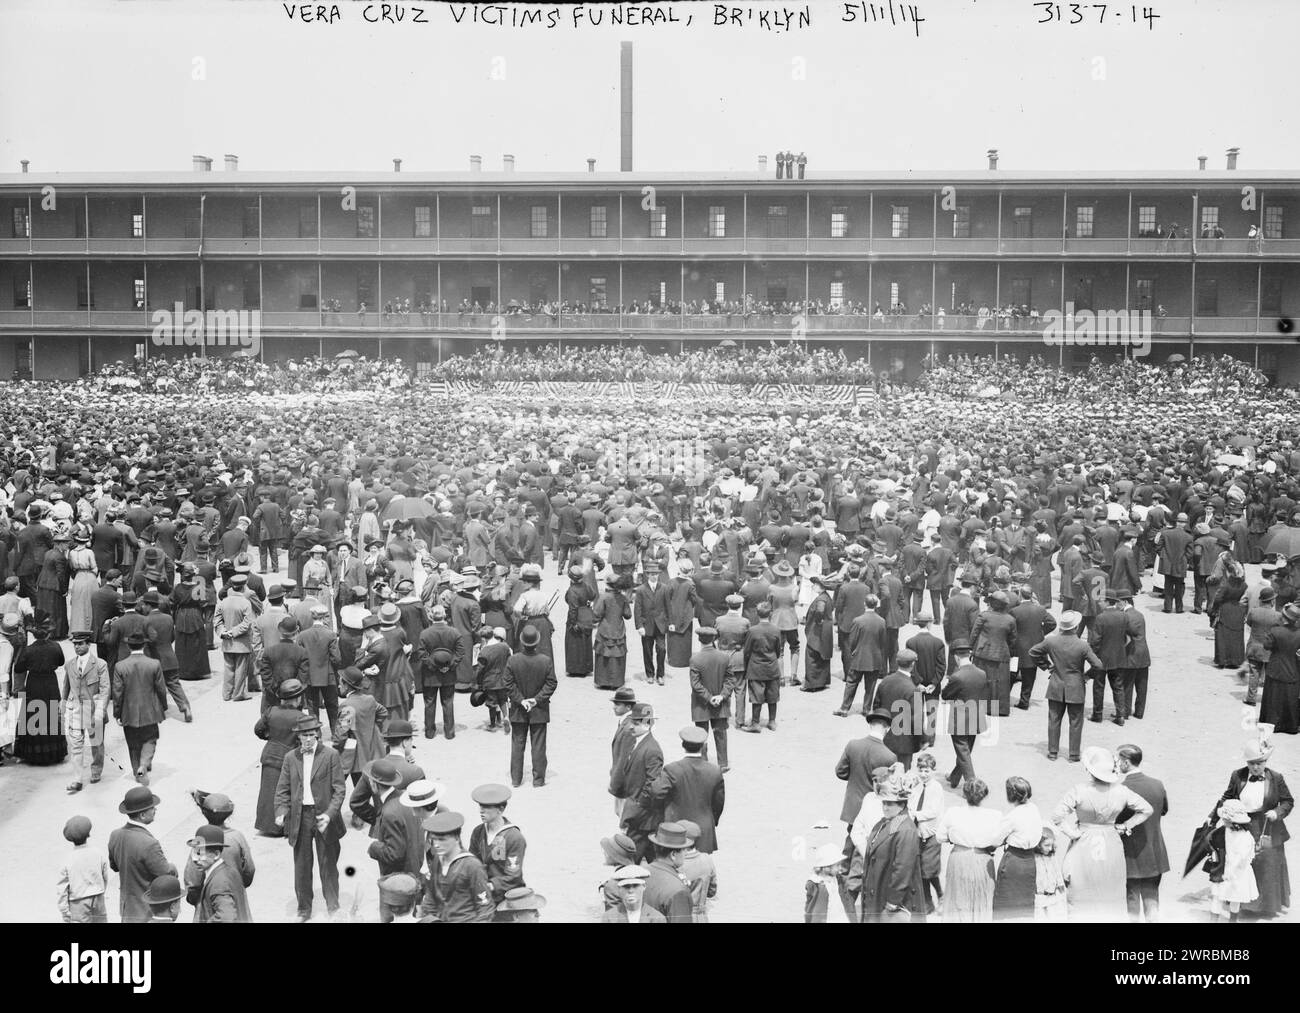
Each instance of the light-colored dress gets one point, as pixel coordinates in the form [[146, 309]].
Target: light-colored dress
[[1238, 885], [973, 833], [1094, 865], [84, 583]]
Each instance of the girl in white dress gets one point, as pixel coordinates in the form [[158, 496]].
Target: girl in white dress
[[1232, 883]]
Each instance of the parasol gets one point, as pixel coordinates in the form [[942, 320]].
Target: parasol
[[406, 508], [1176, 357], [1200, 849], [726, 343], [1285, 542], [348, 354], [1233, 460]]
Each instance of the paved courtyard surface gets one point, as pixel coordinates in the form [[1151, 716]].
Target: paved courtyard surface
[[781, 787]]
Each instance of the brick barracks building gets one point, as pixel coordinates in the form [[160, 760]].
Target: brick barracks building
[[421, 265]]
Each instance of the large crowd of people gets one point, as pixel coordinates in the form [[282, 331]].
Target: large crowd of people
[[761, 547]]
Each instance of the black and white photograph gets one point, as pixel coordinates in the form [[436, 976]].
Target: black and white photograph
[[674, 462]]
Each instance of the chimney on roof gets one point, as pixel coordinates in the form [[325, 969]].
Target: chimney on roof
[[232, 163], [202, 163], [25, 164], [1232, 157], [397, 165], [475, 163], [1201, 160], [993, 158], [625, 106], [508, 163], [762, 165], [591, 165]]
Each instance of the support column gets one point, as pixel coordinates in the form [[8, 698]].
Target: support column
[[261, 308], [320, 288]]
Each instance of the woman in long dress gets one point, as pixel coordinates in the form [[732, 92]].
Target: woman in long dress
[[611, 611], [819, 638], [84, 582], [578, 625], [188, 604], [1021, 832], [1279, 704], [782, 597], [1228, 617], [1094, 866], [1267, 799], [973, 833], [810, 566], [40, 739], [382, 647]]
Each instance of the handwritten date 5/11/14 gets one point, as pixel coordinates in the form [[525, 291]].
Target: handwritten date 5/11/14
[[1097, 14]]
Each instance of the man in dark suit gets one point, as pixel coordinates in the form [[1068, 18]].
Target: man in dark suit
[[438, 657], [929, 671], [135, 854], [529, 682], [220, 897], [1063, 654], [1138, 662], [899, 695], [397, 841], [161, 632], [308, 805], [1174, 554], [868, 656], [103, 607], [959, 614], [282, 661], [712, 682], [139, 703], [33, 542], [1033, 623], [1109, 639], [665, 889], [762, 653], [633, 780], [692, 789], [323, 663], [650, 616], [1144, 847], [859, 759], [850, 602], [967, 691], [624, 701]]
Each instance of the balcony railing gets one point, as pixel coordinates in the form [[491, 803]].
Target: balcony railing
[[845, 324]]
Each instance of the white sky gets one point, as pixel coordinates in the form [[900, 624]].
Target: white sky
[[108, 85]]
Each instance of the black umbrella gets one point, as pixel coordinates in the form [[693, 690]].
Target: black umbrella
[[1285, 542], [1200, 849]]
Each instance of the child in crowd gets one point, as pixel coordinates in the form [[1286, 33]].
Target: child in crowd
[[83, 879]]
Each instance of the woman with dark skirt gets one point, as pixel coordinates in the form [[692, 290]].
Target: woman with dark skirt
[[578, 625], [52, 587], [278, 728], [1268, 801], [1228, 617], [1022, 827], [819, 637], [40, 740], [1280, 704], [611, 611], [191, 636]]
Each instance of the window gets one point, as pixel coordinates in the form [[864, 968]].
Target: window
[[1083, 221], [1147, 220], [1021, 292], [252, 221], [1209, 220], [778, 221], [1207, 297], [717, 222], [79, 220], [659, 294], [1270, 295], [599, 221], [597, 292], [423, 221], [191, 223], [658, 223], [538, 221], [1273, 222], [22, 292], [137, 295], [252, 290], [899, 220], [22, 224], [961, 222], [1023, 223], [719, 292], [307, 296], [85, 293], [137, 225], [538, 289], [1144, 294], [365, 293], [365, 221], [837, 294], [307, 221], [480, 222], [895, 292], [839, 223]]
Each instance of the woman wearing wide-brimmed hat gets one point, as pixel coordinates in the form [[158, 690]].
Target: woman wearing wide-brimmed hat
[[782, 597], [1268, 801], [40, 740], [83, 582], [1095, 867]]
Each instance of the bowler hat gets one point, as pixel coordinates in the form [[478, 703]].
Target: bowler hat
[[352, 676], [384, 772], [165, 889], [136, 638], [959, 644], [398, 729], [529, 636], [137, 800], [879, 714], [208, 837]]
